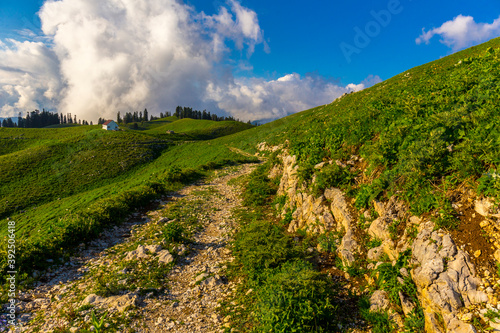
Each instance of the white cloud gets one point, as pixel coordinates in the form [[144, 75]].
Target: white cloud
[[254, 99], [97, 57], [462, 32]]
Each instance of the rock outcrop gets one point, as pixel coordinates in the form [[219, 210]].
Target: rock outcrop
[[444, 275]]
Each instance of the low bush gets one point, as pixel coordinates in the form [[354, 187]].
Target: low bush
[[333, 175], [175, 232]]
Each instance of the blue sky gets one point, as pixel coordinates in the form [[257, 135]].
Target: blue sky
[[256, 59]]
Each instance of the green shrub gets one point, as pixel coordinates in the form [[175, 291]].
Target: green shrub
[[489, 183], [259, 188], [415, 321], [388, 275], [175, 174], [295, 298], [333, 175], [261, 245]]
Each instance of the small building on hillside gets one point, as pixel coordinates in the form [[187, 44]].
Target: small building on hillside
[[110, 125]]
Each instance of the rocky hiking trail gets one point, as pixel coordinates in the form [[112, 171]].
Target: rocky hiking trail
[[143, 275]]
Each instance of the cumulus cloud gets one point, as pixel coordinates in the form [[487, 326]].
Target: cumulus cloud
[[97, 57], [462, 32]]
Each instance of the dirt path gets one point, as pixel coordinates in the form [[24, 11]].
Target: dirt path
[[136, 281]]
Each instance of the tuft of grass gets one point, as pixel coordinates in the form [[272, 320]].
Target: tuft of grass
[[175, 232], [389, 275], [415, 321]]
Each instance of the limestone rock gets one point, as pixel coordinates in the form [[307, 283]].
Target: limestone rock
[[428, 272], [165, 257], [121, 303], [441, 287], [319, 165], [200, 278], [379, 301], [457, 326], [483, 206], [375, 253], [139, 253], [339, 207], [379, 228], [153, 248], [497, 255], [379, 208], [406, 304], [92, 299]]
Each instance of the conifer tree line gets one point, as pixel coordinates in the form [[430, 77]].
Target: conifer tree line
[[180, 113], [37, 119], [187, 112], [130, 117]]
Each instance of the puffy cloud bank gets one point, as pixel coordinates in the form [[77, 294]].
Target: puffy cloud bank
[[97, 57], [462, 32]]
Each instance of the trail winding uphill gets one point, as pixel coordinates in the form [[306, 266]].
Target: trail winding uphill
[[144, 275]]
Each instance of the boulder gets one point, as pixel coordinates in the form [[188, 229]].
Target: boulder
[[379, 228], [375, 253], [457, 326], [486, 208], [153, 248], [121, 303]]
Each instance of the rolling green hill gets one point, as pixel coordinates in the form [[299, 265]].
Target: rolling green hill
[[62, 185], [429, 139], [188, 129]]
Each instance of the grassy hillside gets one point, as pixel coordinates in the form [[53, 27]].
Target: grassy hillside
[[46, 164]]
